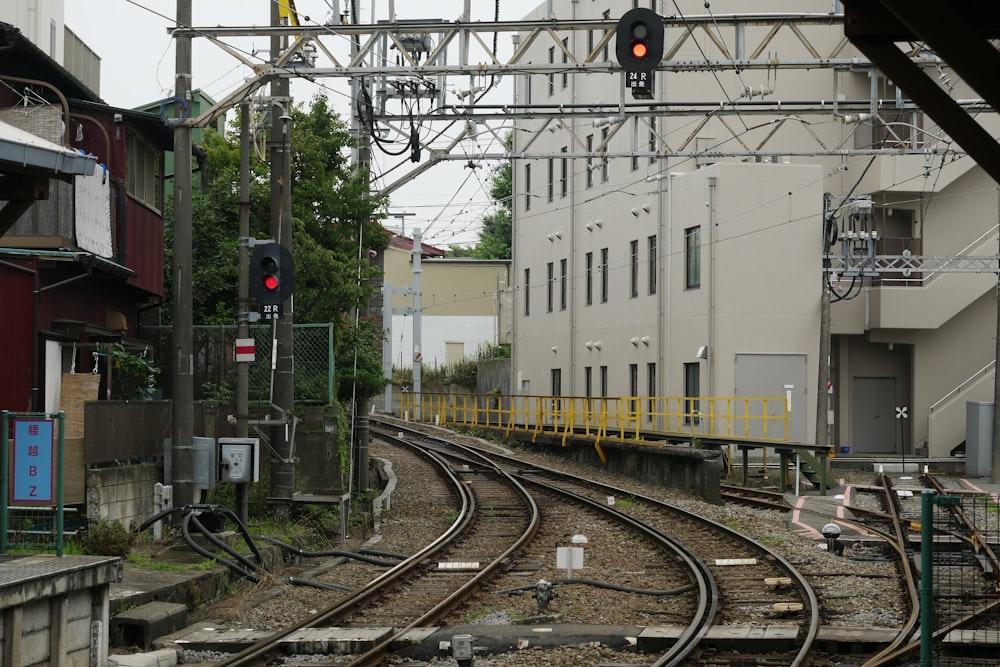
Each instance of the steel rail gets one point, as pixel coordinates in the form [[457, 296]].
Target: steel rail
[[259, 652], [376, 654], [799, 580]]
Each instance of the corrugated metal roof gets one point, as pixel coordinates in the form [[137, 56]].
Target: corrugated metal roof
[[26, 151]]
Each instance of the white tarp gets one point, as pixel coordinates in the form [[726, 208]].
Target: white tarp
[[93, 212]]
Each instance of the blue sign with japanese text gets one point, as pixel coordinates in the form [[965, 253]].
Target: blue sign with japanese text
[[33, 455]]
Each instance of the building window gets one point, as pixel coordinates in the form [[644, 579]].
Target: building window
[[527, 187], [692, 391], [652, 139], [635, 143], [604, 275], [565, 59], [588, 381], [527, 89], [144, 165], [556, 390], [563, 266], [651, 388], [590, 161], [604, 55], [604, 381], [692, 257], [633, 380], [551, 76], [588, 279], [633, 274], [564, 174], [527, 292], [550, 284], [651, 262], [604, 160], [552, 174]]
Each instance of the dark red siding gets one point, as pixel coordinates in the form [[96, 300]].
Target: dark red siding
[[144, 247], [16, 331]]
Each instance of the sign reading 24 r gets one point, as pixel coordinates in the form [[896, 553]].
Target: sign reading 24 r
[[34, 445]]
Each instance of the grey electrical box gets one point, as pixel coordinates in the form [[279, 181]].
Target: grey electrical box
[[239, 460], [978, 438], [205, 463]]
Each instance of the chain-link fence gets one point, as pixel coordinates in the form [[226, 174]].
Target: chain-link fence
[[215, 366]]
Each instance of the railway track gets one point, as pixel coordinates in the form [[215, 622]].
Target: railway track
[[432, 591], [745, 582], [719, 584], [968, 597]]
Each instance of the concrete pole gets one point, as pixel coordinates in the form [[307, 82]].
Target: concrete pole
[[283, 392], [182, 429], [417, 322], [823, 379], [243, 299]]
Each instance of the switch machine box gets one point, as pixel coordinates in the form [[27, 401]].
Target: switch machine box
[[239, 460]]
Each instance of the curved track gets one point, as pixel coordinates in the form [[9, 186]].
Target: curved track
[[456, 544], [734, 566]]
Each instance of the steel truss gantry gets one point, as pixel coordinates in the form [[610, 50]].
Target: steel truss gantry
[[434, 54]]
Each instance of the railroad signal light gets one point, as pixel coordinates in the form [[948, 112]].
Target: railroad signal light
[[272, 274], [639, 47]]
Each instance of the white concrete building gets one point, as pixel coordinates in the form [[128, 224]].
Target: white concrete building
[[675, 246]]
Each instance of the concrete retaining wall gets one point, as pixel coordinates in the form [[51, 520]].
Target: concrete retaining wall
[[687, 469], [123, 494], [55, 611]]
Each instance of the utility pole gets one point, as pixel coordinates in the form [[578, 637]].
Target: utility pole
[[283, 387], [243, 298], [362, 158], [418, 307], [401, 215], [823, 380], [182, 427]]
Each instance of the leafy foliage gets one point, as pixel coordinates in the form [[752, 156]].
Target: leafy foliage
[[333, 222], [134, 374], [107, 538], [357, 351], [495, 237]]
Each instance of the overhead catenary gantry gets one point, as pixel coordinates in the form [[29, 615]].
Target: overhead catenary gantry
[[441, 58]]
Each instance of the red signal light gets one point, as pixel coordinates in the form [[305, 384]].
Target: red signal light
[[271, 283], [639, 50]]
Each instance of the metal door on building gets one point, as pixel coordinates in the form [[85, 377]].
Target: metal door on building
[[775, 375], [873, 415]]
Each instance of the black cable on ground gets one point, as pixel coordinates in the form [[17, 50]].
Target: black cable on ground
[[220, 544], [197, 548], [604, 584], [383, 554], [294, 581], [328, 554], [240, 564]]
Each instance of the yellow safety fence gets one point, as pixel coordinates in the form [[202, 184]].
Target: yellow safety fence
[[646, 419]]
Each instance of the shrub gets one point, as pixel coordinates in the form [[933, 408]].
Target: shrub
[[107, 538]]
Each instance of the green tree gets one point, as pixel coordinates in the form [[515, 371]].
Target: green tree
[[333, 221], [334, 225], [495, 238]]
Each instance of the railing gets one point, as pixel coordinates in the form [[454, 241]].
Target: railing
[[648, 419], [975, 377]]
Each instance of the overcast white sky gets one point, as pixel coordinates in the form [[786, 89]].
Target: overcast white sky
[[138, 66]]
